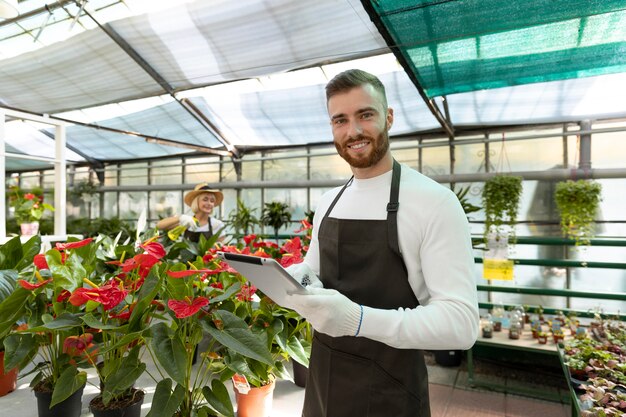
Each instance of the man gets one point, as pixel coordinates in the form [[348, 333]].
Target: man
[[393, 252]]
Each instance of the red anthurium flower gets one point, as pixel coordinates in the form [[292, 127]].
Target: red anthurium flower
[[40, 261], [261, 254], [81, 295], [249, 238], [73, 245], [289, 259], [155, 249], [80, 346], [208, 257], [186, 308], [29, 196], [218, 285], [305, 226], [63, 295], [293, 246], [31, 286], [246, 292], [265, 244], [111, 296]]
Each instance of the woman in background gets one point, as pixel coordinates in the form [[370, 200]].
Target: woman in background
[[202, 200]]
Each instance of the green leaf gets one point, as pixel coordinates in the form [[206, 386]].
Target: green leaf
[[218, 398], [18, 256], [170, 352], [236, 336], [19, 348], [94, 323], [8, 283], [165, 402], [230, 291], [147, 293], [124, 377], [64, 322], [69, 382], [12, 309], [68, 275], [296, 351]]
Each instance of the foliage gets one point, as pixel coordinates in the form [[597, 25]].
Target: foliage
[[242, 219], [100, 226], [28, 205], [84, 189], [501, 197], [577, 203], [276, 215], [468, 207]]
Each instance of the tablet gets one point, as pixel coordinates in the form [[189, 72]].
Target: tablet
[[265, 273]]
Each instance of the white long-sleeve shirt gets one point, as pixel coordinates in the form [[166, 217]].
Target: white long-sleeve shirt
[[435, 243]]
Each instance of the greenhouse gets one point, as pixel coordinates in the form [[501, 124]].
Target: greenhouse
[[150, 149]]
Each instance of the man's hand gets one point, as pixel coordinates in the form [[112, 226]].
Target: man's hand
[[303, 273], [188, 221], [328, 311]]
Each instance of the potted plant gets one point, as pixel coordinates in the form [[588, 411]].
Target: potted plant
[[199, 300], [276, 215], [242, 219], [28, 208], [55, 340], [577, 203], [117, 308], [15, 260], [501, 197]]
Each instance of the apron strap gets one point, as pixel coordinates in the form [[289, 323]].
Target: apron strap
[[392, 209], [347, 184]]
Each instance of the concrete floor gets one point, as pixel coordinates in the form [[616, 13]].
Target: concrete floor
[[449, 392]]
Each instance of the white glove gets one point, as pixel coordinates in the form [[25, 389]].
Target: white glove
[[303, 273], [187, 221], [328, 311]]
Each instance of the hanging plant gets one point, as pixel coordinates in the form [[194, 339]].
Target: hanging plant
[[577, 203], [501, 197]]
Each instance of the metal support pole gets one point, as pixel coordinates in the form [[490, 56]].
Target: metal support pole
[[60, 182], [585, 146], [3, 193]]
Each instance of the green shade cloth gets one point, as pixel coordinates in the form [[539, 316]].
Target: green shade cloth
[[460, 46]]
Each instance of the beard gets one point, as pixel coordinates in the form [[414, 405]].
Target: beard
[[380, 146]]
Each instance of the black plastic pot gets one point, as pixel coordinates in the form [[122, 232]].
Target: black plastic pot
[[71, 407], [133, 410], [448, 357]]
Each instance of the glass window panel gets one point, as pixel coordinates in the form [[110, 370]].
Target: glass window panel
[[329, 167], [199, 170], [296, 199], [48, 179], [110, 205], [436, 160], [132, 204], [165, 204], [470, 158], [29, 181], [282, 169], [408, 157], [134, 174], [522, 155], [608, 150], [251, 171], [110, 175], [167, 172]]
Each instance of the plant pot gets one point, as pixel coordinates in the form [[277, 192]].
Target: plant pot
[[125, 407], [448, 357], [70, 407], [300, 374], [29, 229], [8, 380], [257, 402]]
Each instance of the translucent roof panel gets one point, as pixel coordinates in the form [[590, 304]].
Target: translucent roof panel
[[167, 121], [254, 114], [459, 46], [569, 100], [190, 45]]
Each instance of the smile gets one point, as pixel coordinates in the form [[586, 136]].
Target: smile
[[358, 145]]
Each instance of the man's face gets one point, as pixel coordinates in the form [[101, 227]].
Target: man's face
[[360, 124]]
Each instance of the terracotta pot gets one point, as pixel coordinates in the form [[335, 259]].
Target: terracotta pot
[[29, 229], [257, 402], [8, 380]]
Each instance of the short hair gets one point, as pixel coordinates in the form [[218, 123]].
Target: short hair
[[347, 80], [196, 201]]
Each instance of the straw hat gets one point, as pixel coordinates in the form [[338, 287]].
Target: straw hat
[[203, 188]]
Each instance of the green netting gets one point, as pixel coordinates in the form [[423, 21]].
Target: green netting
[[460, 46]]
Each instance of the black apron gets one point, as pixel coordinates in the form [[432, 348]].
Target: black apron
[[195, 236], [356, 376]]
